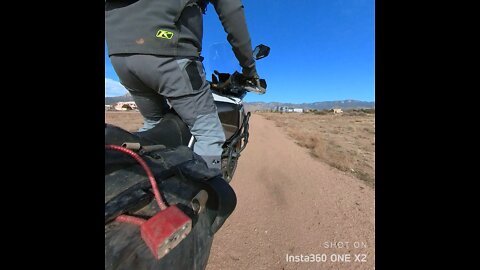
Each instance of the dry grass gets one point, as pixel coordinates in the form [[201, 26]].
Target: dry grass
[[345, 141]]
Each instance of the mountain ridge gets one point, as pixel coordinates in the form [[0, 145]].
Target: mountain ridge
[[317, 105], [252, 106]]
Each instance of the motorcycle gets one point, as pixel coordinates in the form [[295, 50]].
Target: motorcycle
[[228, 93], [178, 232]]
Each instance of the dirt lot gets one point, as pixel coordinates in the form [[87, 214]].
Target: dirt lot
[[291, 206], [345, 141], [129, 120]]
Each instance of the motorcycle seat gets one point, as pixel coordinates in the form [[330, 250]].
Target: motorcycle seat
[[171, 132]]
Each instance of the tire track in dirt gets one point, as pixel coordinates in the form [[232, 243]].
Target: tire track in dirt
[[290, 203]]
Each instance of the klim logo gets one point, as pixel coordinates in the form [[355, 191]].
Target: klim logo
[[164, 34]]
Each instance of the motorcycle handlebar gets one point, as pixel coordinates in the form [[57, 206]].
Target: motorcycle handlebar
[[256, 87], [237, 80]]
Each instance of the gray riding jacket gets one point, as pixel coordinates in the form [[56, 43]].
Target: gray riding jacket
[[172, 27]]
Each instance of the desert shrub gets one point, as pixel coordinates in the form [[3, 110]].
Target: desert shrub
[[369, 111], [322, 112]]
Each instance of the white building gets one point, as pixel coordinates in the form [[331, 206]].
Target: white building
[[335, 111], [288, 109], [125, 106]]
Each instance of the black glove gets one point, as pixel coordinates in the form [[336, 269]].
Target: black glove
[[251, 75], [250, 72]]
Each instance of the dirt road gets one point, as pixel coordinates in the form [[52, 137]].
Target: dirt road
[[290, 204]]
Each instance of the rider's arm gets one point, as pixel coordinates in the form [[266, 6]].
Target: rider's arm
[[232, 16]]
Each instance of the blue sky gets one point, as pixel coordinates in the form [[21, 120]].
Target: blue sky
[[321, 50]]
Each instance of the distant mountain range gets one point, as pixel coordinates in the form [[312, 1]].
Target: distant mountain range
[[253, 106], [321, 105], [113, 100]]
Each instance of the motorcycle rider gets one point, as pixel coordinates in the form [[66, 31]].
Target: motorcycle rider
[[155, 47]]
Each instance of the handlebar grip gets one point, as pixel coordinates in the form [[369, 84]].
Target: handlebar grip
[[259, 86], [236, 81], [263, 83]]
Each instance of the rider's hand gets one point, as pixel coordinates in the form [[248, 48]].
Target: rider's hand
[[250, 73]]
